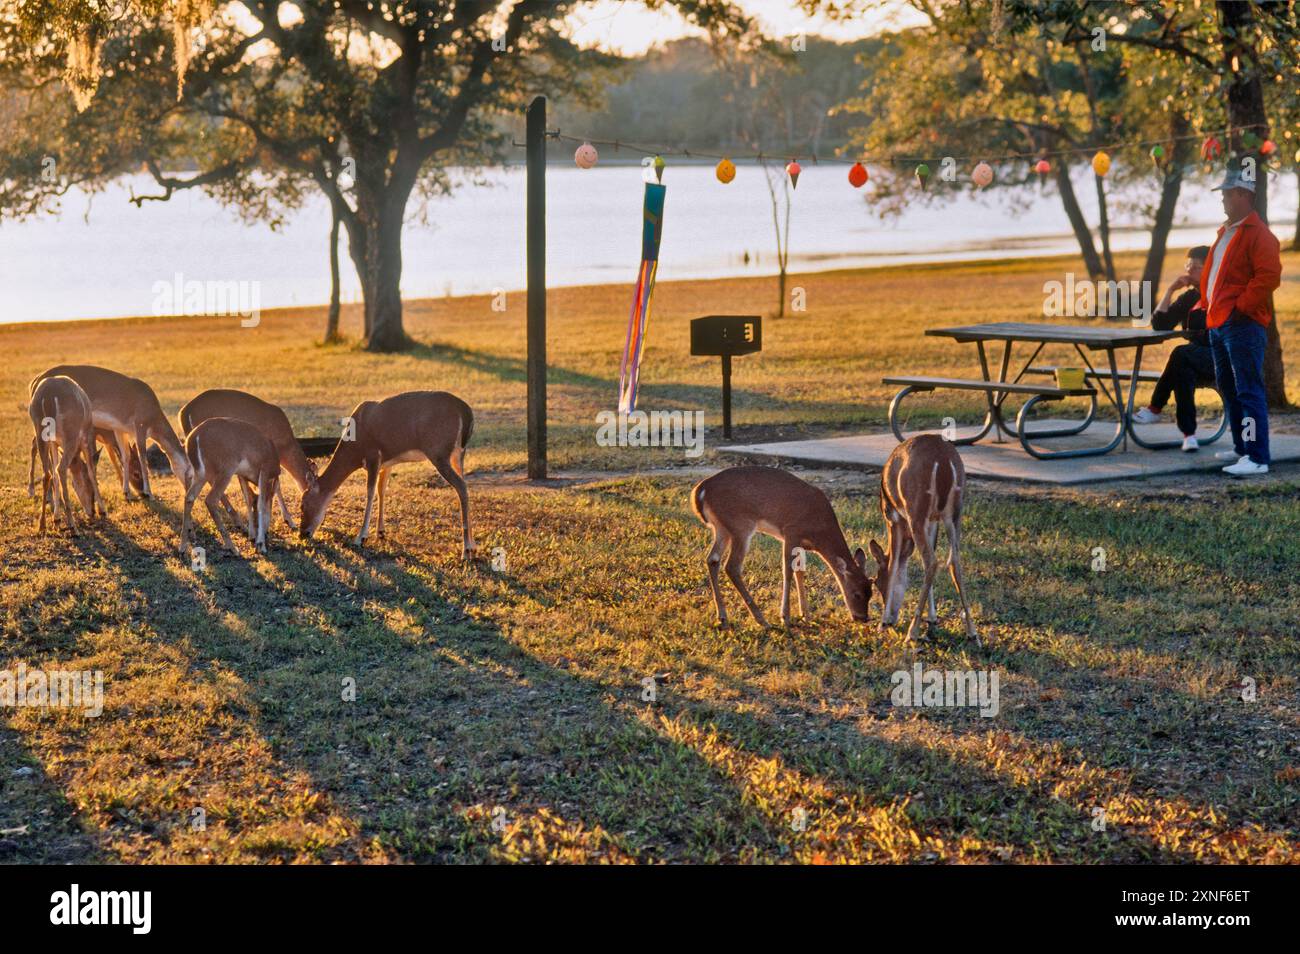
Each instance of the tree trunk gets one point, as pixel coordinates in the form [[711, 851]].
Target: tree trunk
[[1103, 227], [1295, 242], [1082, 234], [1245, 95], [1169, 192], [375, 243], [332, 323]]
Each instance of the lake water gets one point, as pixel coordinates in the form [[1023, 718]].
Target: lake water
[[103, 257]]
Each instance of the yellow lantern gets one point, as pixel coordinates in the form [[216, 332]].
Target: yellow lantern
[[726, 171], [1101, 163]]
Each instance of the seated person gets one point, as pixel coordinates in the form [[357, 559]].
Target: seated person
[[1190, 365]]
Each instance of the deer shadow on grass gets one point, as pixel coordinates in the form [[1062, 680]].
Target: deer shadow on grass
[[650, 394], [450, 718]]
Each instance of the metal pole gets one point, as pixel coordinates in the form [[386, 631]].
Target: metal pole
[[536, 145], [726, 396]]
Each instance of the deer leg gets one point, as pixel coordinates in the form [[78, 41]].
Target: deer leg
[[31, 470], [453, 477], [265, 491], [215, 494], [229, 508], [735, 560], [372, 477], [284, 508], [787, 571], [802, 592], [47, 488], [191, 495], [926, 552], [251, 506], [954, 568], [64, 461], [142, 447], [714, 560], [934, 540], [383, 487]]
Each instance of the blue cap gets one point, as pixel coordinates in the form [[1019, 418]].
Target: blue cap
[[1235, 180]]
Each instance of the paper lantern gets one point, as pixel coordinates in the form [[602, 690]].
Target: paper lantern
[[1211, 149], [1101, 163], [586, 156], [982, 175], [922, 174], [858, 175], [1249, 139], [659, 168], [1158, 155], [1267, 148], [793, 169], [726, 171], [1043, 168]]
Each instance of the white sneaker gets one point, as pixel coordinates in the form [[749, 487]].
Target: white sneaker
[[1229, 455], [1190, 444], [1246, 468], [1144, 415]]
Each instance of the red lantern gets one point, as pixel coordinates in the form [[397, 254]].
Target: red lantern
[[1211, 149], [1268, 148], [793, 169], [1044, 169], [858, 175]]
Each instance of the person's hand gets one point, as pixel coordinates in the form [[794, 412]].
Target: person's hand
[[1182, 281]]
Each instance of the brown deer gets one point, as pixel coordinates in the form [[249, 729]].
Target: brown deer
[[738, 502], [416, 425], [220, 450], [921, 486], [64, 434], [267, 418], [129, 409]]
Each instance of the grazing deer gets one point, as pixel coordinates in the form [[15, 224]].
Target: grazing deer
[[740, 501], [921, 486], [219, 450], [267, 418], [128, 409], [65, 434], [417, 425]]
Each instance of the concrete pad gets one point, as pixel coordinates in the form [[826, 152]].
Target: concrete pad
[[1008, 460]]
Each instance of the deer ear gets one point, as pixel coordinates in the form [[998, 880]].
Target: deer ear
[[860, 558], [877, 553]]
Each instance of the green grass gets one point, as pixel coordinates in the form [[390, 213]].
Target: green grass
[[500, 716]]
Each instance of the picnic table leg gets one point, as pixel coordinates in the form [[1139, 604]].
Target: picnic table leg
[[995, 405]]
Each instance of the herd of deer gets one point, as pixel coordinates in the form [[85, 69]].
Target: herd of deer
[[233, 435]]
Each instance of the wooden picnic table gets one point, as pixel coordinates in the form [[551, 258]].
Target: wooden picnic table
[[1085, 339]]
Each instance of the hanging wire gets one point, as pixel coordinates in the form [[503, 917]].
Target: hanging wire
[[760, 156]]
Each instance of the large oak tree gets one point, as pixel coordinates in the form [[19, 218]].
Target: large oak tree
[[370, 102]]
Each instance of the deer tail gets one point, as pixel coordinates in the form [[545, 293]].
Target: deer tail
[[697, 502]]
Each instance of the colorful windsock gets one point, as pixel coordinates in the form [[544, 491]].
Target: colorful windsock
[[651, 232]]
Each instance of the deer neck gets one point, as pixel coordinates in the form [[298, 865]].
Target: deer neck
[[346, 461], [296, 464]]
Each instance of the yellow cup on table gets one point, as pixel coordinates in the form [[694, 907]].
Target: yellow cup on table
[[1069, 379]]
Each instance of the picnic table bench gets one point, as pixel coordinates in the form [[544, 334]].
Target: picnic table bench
[[1107, 381]]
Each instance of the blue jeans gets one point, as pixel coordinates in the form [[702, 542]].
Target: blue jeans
[[1238, 348]]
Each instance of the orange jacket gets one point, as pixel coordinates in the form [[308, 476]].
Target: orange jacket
[[1251, 269]]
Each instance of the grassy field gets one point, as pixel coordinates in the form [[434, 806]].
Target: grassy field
[[502, 713]]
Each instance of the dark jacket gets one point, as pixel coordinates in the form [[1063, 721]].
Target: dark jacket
[[1183, 313]]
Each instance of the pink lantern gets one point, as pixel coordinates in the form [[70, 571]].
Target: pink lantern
[[586, 156], [982, 175]]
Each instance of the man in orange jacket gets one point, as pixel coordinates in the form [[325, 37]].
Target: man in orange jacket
[[1244, 268]]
